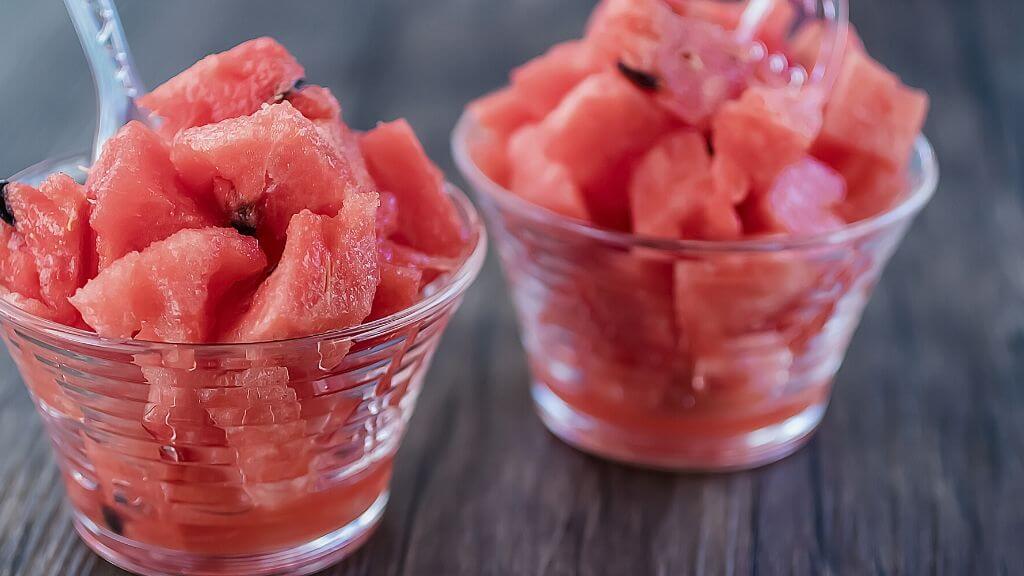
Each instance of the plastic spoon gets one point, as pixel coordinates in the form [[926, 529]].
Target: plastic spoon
[[113, 71]]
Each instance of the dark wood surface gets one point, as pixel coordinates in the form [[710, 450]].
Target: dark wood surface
[[918, 468]]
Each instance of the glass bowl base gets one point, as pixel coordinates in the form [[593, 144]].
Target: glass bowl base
[[724, 453], [301, 560]]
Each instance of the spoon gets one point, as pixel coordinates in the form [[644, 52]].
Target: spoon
[[113, 71]]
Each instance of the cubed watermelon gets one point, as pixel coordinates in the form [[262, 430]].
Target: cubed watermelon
[[169, 291], [766, 130], [872, 112], [138, 196], [543, 82], [399, 289], [669, 186], [265, 168], [325, 280], [226, 85], [872, 185], [805, 48], [428, 220], [539, 180], [597, 131], [17, 264], [319, 105], [628, 30], [54, 222], [801, 201], [730, 179], [700, 66]]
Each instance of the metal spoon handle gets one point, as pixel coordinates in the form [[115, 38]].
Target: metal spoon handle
[[117, 84]]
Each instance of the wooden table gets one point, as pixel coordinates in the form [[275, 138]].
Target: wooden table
[[918, 469]]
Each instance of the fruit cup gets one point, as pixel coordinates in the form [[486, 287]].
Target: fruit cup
[[268, 458], [683, 354]]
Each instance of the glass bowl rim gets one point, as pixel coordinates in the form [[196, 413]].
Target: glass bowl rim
[[453, 287], [923, 189]]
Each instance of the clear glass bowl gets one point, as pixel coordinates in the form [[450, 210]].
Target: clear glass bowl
[[689, 355], [218, 460]]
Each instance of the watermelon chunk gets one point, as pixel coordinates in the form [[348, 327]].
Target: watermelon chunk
[[539, 180], [628, 30], [53, 221], [598, 130], [873, 186], [766, 130], [427, 219], [669, 186], [724, 14], [700, 66], [399, 289], [871, 112], [326, 278], [543, 82], [17, 264], [137, 194], [168, 291], [805, 48], [801, 201], [265, 168], [226, 85], [319, 105]]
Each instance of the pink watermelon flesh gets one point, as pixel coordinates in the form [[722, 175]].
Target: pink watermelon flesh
[[325, 280], [701, 66], [872, 186], [731, 181], [766, 130], [18, 272], [805, 49], [53, 220], [399, 289], [667, 190], [628, 30], [319, 105], [871, 112], [226, 85], [801, 201], [138, 196], [169, 291], [539, 180], [265, 168], [543, 82], [427, 219], [387, 215], [598, 130]]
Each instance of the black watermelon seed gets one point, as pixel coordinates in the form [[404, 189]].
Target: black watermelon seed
[[5, 211], [296, 87], [244, 220], [113, 520], [641, 79], [299, 84]]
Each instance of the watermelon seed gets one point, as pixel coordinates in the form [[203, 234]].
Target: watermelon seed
[[642, 80], [5, 211], [244, 220], [287, 94], [113, 520]]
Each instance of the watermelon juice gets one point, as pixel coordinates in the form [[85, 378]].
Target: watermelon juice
[[225, 321], [692, 212]]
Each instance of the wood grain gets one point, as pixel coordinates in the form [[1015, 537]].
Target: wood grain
[[918, 469]]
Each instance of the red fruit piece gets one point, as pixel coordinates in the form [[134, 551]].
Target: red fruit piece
[[265, 168], [669, 186], [168, 291], [871, 112], [226, 85], [399, 289], [325, 280], [700, 66], [766, 130], [596, 133], [872, 186], [18, 272], [628, 30], [53, 221], [805, 48], [539, 180], [427, 219], [137, 194], [801, 201], [319, 105]]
